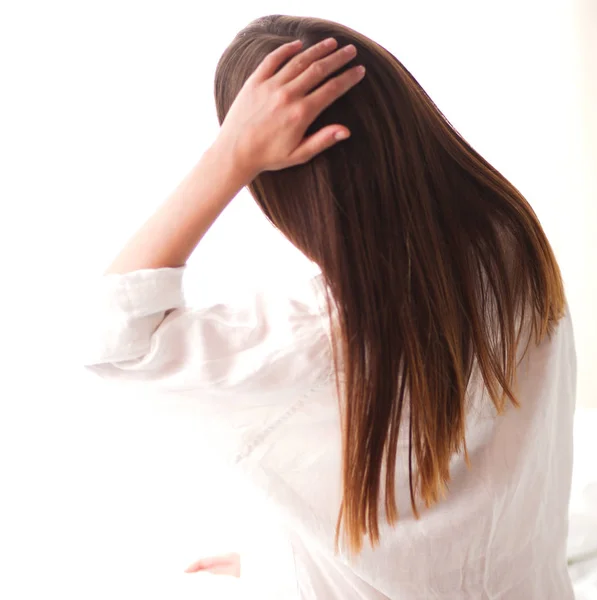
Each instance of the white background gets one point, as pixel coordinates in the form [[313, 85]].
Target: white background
[[104, 107]]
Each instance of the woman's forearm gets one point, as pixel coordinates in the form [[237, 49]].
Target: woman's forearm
[[170, 235], [266, 125]]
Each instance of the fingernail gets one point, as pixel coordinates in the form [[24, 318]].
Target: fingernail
[[341, 135], [329, 42], [361, 70]]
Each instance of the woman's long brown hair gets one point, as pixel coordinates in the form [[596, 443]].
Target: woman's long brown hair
[[433, 259]]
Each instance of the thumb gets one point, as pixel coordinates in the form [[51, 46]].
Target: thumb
[[316, 143]]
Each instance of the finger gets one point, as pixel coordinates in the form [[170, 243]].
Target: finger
[[320, 70], [299, 63], [196, 566], [330, 91], [214, 562], [269, 65], [206, 564], [318, 142]]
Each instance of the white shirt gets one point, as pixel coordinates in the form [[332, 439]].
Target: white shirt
[[263, 369]]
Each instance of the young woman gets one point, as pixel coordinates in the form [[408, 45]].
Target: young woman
[[410, 410]]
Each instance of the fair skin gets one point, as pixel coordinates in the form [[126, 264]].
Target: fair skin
[[224, 564], [264, 130]]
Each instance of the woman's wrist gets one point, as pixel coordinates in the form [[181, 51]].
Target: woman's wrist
[[230, 162]]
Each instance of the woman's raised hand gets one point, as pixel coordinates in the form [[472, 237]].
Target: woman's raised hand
[[266, 124]]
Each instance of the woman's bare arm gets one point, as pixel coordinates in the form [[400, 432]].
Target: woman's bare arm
[[264, 130]]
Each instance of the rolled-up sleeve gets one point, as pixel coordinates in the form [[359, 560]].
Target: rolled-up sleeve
[[137, 327]]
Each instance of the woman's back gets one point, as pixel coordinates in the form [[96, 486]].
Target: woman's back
[[501, 530]]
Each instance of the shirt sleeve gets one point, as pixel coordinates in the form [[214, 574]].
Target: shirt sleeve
[[136, 326]]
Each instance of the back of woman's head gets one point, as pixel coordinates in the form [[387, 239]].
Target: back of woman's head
[[435, 262]]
